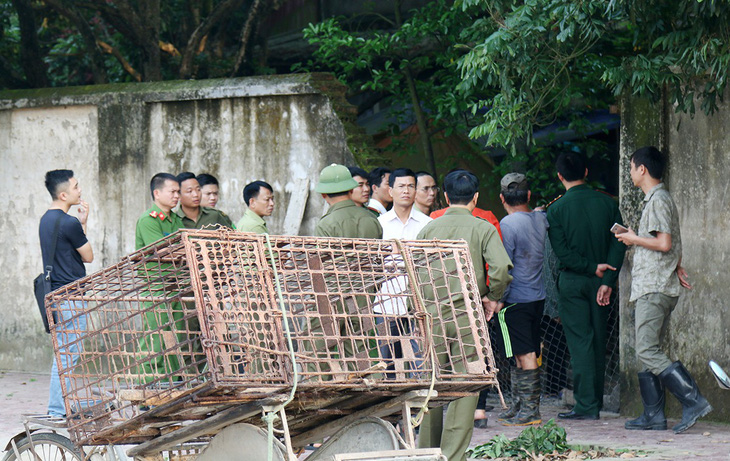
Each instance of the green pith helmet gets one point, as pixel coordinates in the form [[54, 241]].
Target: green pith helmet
[[335, 178]]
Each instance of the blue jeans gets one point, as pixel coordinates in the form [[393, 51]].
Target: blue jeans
[[71, 330]]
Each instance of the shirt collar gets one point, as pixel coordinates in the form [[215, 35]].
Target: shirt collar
[[457, 210], [577, 188], [653, 190], [182, 215], [415, 215], [253, 216], [157, 211], [376, 205]]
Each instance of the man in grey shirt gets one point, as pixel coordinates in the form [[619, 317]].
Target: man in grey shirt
[[657, 278], [521, 308]]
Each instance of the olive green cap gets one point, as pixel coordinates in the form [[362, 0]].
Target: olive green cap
[[335, 178]]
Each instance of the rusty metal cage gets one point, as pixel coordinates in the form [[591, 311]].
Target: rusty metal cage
[[197, 323]]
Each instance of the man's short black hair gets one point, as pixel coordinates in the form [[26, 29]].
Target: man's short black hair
[[514, 197], [376, 176], [252, 190], [55, 179], [158, 182], [184, 176], [424, 173], [401, 173], [460, 186], [357, 171], [652, 158], [571, 166], [205, 179]]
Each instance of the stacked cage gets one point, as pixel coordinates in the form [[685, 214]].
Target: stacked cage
[[202, 321]]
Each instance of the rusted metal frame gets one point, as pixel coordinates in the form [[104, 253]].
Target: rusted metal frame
[[265, 255], [419, 308], [207, 426], [107, 435], [215, 312], [196, 285], [472, 297]]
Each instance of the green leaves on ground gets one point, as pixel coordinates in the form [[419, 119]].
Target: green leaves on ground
[[534, 440]]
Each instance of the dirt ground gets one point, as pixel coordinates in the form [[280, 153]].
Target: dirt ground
[[22, 393]]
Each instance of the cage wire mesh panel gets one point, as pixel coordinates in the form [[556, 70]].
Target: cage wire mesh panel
[[196, 323]]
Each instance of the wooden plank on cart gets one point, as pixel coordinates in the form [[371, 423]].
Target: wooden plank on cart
[[206, 426], [380, 410]]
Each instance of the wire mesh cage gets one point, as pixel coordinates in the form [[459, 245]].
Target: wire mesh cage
[[202, 320]]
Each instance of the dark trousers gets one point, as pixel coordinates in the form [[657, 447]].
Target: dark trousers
[[584, 323]]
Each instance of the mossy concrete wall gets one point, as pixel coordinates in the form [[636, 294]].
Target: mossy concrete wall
[[698, 176], [282, 129]]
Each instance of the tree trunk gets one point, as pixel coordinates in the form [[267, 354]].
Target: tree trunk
[[68, 9], [31, 58], [149, 11], [222, 12], [421, 121], [248, 27]]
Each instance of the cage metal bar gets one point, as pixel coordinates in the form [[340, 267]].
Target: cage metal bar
[[195, 318]]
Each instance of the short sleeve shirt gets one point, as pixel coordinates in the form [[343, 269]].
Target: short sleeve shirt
[[523, 234], [67, 263], [655, 271]]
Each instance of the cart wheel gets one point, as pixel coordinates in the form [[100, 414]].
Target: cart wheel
[[241, 441], [48, 446]]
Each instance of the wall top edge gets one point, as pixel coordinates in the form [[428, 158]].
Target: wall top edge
[[174, 90]]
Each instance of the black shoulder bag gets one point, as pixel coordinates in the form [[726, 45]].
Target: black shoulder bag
[[42, 283]]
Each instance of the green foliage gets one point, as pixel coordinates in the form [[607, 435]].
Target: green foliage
[[537, 61], [377, 61], [533, 441]]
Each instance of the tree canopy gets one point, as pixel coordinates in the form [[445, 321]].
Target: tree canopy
[[549, 58], [72, 42]]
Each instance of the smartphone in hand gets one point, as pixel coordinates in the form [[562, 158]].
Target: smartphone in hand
[[618, 229]]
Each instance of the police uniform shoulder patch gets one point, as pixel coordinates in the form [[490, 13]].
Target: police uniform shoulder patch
[[554, 200], [153, 214]]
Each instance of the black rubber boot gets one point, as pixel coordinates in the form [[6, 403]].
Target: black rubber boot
[[679, 382], [515, 407], [529, 390], [652, 396]]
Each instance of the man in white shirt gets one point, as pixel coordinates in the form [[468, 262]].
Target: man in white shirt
[[403, 221]]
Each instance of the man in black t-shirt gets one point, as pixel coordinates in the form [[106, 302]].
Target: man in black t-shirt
[[72, 251]]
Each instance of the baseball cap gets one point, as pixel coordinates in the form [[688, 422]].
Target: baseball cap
[[513, 181]]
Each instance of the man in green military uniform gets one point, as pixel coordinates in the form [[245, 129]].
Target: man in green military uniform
[[193, 215], [590, 258], [259, 198], [347, 220], [344, 218], [158, 222], [485, 247]]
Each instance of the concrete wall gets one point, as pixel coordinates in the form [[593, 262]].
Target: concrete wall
[[282, 129], [698, 177]]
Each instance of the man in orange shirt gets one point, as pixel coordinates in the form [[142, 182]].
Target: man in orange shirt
[[479, 213]]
